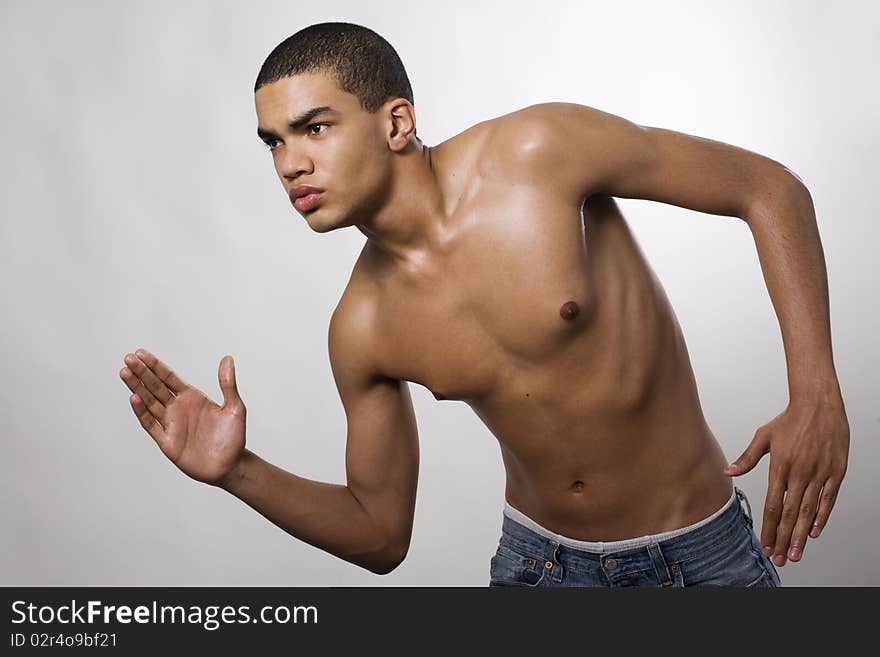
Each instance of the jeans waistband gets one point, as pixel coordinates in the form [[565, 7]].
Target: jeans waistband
[[602, 547]]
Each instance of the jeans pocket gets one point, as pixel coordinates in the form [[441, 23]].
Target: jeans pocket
[[729, 562], [770, 572], [510, 567], [765, 580]]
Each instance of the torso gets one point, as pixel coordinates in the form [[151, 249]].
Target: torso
[[541, 313]]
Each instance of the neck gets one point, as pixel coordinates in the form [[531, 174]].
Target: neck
[[409, 221]]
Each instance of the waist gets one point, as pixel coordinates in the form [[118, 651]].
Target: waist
[[513, 514]]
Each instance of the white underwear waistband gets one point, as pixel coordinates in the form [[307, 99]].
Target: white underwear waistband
[[609, 546]]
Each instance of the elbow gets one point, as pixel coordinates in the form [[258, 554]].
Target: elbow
[[778, 193], [795, 177], [385, 568], [393, 557], [391, 563]]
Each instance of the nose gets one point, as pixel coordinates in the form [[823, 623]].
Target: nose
[[292, 164]]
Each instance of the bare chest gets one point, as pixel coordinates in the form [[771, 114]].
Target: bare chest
[[510, 291]]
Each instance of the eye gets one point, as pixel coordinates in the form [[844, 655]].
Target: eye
[[268, 143]]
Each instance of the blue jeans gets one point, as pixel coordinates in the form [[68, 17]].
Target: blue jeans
[[720, 550]]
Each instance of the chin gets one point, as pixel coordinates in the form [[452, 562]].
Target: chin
[[322, 229], [320, 222], [319, 226]]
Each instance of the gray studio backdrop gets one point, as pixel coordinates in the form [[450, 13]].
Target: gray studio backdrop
[[140, 210]]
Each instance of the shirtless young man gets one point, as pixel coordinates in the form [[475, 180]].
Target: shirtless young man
[[499, 271]]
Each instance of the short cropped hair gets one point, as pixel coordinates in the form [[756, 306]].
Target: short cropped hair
[[361, 62]]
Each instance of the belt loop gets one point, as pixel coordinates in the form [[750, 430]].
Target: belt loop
[[660, 566], [552, 556], [742, 496]]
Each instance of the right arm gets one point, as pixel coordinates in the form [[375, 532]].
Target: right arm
[[325, 515], [369, 520]]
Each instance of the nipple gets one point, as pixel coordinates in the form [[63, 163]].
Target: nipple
[[569, 310]]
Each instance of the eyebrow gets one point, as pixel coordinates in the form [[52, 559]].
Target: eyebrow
[[298, 122]]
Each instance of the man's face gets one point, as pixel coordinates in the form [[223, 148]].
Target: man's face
[[343, 152]]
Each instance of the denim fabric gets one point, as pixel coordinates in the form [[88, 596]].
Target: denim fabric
[[721, 550]]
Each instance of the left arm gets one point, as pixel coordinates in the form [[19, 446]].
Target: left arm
[[588, 151], [809, 441]]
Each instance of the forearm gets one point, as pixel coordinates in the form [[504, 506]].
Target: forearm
[[783, 224], [327, 516]]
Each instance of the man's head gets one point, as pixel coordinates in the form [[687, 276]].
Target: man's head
[[348, 152]]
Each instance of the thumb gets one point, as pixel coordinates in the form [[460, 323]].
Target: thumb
[[231, 398], [759, 446]]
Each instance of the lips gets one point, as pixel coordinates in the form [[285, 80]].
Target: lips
[[308, 202], [305, 197]]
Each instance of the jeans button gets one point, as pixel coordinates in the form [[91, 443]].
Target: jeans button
[[548, 564], [610, 563]]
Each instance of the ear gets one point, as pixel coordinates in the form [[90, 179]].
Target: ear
[[402, 123]]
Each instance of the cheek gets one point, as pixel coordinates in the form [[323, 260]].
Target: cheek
[[375, 185], [367, 173]]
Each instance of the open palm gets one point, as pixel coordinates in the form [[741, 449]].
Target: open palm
[[201, 438]]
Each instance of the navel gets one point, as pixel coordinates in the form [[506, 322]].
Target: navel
[[569, 310], [577, 486]]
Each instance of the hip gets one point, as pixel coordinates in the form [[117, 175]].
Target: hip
[[722, 550]]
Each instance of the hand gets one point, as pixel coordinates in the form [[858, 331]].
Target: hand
[[809, 448], [201, 438]]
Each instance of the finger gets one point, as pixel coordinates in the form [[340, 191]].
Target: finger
[[759, 446], [148, 422], [156, 408], [808, 506], [790, 510], [151, 381], [826, 503], [772, 509], [162, 371]]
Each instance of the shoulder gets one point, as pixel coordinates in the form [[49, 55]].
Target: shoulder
[[535, 125], [506, 147], [527, 131], [558, 146], [532, 142], [352, 335]]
